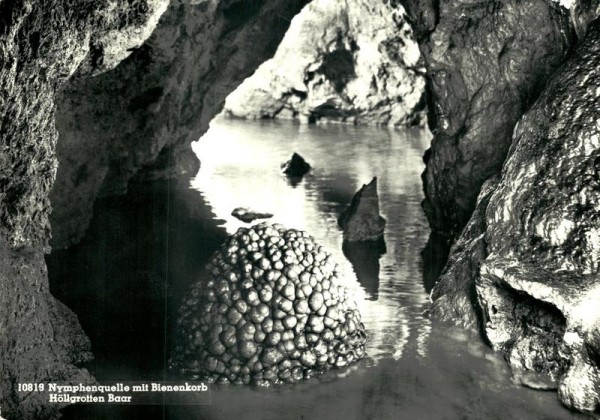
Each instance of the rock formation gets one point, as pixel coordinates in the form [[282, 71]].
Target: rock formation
[[41, 46], [248, 216], [348, 61], [361, 221], [140, 118], [271, 311], [524, 266], [486, 64], [296, 167], [454, 295], [529, 259], [143, 113]]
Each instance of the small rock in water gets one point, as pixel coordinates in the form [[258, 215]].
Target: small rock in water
[[534, 380], [295, 167], [247, 215], [361, 221]]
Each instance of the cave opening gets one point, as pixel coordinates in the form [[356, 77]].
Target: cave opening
[[135, 221], [127, 278]]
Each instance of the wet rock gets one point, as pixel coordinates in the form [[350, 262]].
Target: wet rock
[[248, 216], [485, 68], [434, 256], [42, 45], [296, 167], [582, 13], [354, 61], [293, 317], [361, 221], [535, 380], [454, 295], [139, 119], [539, 262]]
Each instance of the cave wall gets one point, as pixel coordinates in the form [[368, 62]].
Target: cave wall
[[515, 122], [487, 62], [533, 260], [60, 73], [41, 46], [140, 118], [352, 61]]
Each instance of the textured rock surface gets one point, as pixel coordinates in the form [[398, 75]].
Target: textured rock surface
[[145, 113], [41, 339], [486, 64], [272, 311], [296, 167], [41, 46], [536, 236], [582, 13], [34, 66], [247, 215], [351, 61], [361, 221], [454, 295]]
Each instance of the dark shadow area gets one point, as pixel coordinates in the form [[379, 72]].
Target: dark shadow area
[[294, 181], [114, 412], [434, 255], [334, 194], [125, 280], [364, 257]]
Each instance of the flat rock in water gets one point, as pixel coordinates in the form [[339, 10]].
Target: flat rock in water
[[248, 216], [295, 167], [361, 221], [535, 380]]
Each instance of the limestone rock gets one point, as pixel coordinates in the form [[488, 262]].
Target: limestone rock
[[42, 44], [361, 221], [143, 113], [139, 119], [454, 296], [275, 314], [485, 67], [350, 61], [296, 167], [537, 269], [582, 13], [42, 340], [248, 216]]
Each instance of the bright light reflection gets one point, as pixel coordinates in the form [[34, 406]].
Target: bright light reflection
[[240, 168]]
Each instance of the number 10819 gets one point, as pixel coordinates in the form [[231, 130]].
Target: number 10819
[[30, 387]]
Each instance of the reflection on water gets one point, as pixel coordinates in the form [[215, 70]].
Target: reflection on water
[[414, 369], [126, 280], [411, 372], [435, 255], [241, 168], [364, 257]]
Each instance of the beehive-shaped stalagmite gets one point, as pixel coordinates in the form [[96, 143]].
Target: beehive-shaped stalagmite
[[272, 310]]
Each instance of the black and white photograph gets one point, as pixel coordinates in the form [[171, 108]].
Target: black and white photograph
[[300, 209]]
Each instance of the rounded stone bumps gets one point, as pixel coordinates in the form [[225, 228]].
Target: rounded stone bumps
[[278, 324]]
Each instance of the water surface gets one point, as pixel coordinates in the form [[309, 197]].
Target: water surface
[[241, 168], [125, 280]]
